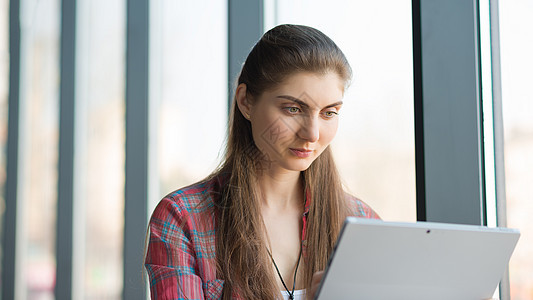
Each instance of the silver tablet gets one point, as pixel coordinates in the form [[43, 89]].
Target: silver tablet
[[391, 260]]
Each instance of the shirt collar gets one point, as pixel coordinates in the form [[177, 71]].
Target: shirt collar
[[307, 204]]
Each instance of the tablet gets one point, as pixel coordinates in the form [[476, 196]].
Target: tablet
[[391, 260]]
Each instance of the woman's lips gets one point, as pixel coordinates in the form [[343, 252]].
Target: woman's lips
[[300, 152]]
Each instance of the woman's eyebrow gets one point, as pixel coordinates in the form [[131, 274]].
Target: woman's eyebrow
[[294, 99], [334, 104], [303, 104]]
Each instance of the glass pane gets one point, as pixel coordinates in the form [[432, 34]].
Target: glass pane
[[189, 84], [100, 151], [39, 94], [516, 29], [4, 83], [374, 146]]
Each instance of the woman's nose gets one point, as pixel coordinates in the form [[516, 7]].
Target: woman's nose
[[309, 129]]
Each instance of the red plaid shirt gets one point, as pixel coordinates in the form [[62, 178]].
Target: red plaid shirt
[[181, 251]]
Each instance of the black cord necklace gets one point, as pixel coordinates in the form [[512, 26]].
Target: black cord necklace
[[291, 294]]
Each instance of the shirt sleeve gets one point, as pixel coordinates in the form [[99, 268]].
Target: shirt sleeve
[[170, 259], [361, 209]]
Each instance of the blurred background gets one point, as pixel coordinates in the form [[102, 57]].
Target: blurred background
[[188, 99]]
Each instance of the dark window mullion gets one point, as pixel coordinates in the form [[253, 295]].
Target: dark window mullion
[[448, 115], [65, 192], [136, 187], [245, 27], [9, 228]]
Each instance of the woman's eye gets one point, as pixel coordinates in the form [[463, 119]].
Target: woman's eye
[[330, 114], [292, 110]]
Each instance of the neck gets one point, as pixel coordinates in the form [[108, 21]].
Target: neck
[[281, 190]]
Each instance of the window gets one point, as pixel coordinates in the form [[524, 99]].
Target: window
[[38, 146], [374, 147], [516, 45], [188, 84], [99, 165]]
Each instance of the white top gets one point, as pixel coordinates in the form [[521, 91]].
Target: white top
[[298, 295]]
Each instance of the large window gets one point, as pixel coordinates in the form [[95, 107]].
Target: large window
[[38, 146], [188, 99], [516, 28], [99, 165], [374, 146], [188, 90]]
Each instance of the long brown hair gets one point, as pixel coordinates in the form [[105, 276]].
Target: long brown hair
[[242, 259]]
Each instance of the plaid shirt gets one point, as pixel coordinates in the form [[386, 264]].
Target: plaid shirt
[[181, 260]]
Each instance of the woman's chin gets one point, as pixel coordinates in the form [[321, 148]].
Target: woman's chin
[[300, 165]]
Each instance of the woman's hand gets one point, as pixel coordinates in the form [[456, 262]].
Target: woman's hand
[[315, 283]]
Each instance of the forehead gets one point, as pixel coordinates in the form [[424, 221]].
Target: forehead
[[314, 89]]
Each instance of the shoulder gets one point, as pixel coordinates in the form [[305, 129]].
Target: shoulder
[[180, 246], [194, 199], [359, 208]]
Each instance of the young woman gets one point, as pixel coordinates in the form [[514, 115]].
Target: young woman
[[263, 225]]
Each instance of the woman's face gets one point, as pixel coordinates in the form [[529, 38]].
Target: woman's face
[[293, 123]]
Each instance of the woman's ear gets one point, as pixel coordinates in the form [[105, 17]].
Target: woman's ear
[[245, 106]]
